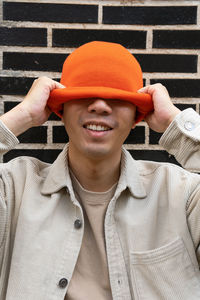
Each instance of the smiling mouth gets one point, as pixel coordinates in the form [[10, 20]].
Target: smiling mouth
[[95, 127]]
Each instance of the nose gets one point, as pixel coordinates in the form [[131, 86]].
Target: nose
[[100, 106]]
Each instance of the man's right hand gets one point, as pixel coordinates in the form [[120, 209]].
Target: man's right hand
[[33, 110]]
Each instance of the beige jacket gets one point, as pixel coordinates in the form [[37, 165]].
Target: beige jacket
[[152, 224]]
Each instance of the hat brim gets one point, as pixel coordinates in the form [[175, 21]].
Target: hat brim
[[57, 97]]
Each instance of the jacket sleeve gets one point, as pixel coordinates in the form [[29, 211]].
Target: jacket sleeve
[[182, 139], [193, 213], [7, 142]]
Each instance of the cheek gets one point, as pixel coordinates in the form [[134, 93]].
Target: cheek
[[128, 122], [72, 124], [67, 122], [129, 116], [68, 113]]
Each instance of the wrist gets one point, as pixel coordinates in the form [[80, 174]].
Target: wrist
[[17, 120], [172, 116]]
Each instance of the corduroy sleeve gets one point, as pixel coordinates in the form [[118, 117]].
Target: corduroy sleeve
[[7, 142], [193, 212], [182, 139], [7, 139], [3, 213]]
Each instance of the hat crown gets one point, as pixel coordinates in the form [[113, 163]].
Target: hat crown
[[102, 64]]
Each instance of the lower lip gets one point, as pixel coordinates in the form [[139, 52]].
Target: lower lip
[[97, 134]]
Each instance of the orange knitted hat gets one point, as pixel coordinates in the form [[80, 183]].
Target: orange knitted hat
[[101, 70]]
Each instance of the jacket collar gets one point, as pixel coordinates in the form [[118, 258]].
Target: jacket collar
[[130, 176], [58, 175]]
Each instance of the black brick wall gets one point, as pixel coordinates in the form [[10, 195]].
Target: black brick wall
[[35, 39]]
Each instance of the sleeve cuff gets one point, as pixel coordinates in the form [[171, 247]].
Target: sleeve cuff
[[8, 139], [186, 123], [182, 139]]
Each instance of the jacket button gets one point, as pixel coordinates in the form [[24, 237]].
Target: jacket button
[[63, 282], [189, 125], [78, 224]]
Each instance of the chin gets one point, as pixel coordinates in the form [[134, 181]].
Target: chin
[[97, 152]]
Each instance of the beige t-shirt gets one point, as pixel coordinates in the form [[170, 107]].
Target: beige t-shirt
[[90, 279]]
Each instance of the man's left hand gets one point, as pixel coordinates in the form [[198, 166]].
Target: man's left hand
[[164, 110]]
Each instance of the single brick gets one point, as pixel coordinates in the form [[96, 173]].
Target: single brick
[[53, 117], [34, 135], [182, 106], [176, 39], [153, 15], [46, 12], [23, 36], [60, 134], [136, 136], [15, 85], [153, 155], [154, 137], [181, 88], [77, 37], [168, 63], [8, 105], [45, 155], [33, 61]]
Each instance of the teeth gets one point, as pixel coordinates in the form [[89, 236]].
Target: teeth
[[97, 127]]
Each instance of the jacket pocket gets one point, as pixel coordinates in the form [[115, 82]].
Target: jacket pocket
[[165, 273]]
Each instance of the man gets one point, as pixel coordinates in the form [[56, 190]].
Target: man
[[96, 224]]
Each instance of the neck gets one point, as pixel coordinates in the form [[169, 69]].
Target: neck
[[97, 175]]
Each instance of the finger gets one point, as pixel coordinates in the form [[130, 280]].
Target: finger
[[145, 89], [58, 85], [149, 89]]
